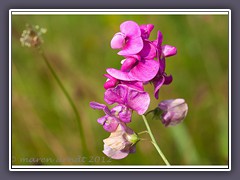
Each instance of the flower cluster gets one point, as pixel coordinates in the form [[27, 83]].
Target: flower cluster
[[144, 62], [31, 37]]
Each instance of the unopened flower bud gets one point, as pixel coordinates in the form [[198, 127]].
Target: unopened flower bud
[[174, 111]]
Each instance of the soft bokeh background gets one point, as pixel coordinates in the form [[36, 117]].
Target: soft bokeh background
[[44, 128]]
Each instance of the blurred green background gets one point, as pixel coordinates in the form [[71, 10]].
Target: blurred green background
[[78, 48]]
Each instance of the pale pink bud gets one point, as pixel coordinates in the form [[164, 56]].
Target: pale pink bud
[[174, 111]]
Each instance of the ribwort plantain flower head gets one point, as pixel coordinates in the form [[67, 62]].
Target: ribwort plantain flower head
[[174, 111], [32, 36], [120, 143]]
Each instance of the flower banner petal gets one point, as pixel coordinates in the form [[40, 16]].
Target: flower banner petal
[[138, 101], [130, 28]]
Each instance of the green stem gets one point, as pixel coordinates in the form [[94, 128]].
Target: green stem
[[142, 132], [80, 128], [154, 141], [149, 112]]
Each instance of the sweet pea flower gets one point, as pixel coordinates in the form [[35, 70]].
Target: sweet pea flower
[[120, 143], [113, 117], [132, 98], [129, 39], [174, 111]]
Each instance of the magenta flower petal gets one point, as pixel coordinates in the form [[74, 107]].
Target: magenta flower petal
[[102, 120], [159, 40], [96, 105], [132, 98], [168, 79], [130, 28], [162, 65], [168, 50], [134, 84], [110, 83], [116, 95], [132, 46], [138, 101], [148, 51], [146, 29], [110, 124], [145, 70], [118, 41], [123, 113], [157, 85], [128, 64], [118, 74], [99, 106]]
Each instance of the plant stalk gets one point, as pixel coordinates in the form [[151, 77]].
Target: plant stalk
[[154, 141], [80, 128]]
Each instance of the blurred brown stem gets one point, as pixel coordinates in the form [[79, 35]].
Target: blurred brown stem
[[80, 128]]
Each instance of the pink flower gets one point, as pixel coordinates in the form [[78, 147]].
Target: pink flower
[[120, 143], [174, 111], [130, 97], [113, 117], [129, 40]]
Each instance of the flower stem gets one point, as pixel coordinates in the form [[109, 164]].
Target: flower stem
[[142, 132], [80, 128], [154, 141]]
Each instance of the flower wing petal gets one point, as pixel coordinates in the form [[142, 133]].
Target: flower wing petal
[[145, 70], [132, 46], [168, 50], [118, 41], [99, 106]]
